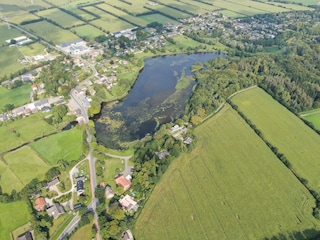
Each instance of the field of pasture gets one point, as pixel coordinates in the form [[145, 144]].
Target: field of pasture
[[299, 143], [313, 117], [63, 19], [87, 31], [13, 215], [19, 167], [228, 187], [17, 96], [50, 32], [9, 60], [65, 145], [303, 2]]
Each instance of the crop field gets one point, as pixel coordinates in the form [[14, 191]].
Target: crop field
[[291, 6], [207, 7], [17, 96], [13, 215], [299, 143], [51, 32], [65, 145], [239, 8], [260, 6], [231, 14], [131, 19], [136, 7], [107, 21], [63, 19], [313, 117], [88, 31], [83, 14], [31, 127], [32, 49], [155, 17], [167, 11], [19, 167], [189, 8], [303, 2], [231, 186]]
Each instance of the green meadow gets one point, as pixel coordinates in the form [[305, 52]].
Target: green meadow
[[8, 60], [19, 167], [312, 116], [231, 186], [16, 96], [13, 215], [88, 31], [299, 143], [65, 145]]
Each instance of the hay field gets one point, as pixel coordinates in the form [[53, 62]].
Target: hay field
[[231, 186], [299, 143]]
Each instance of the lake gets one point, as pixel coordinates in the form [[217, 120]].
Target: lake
[[158, 96]]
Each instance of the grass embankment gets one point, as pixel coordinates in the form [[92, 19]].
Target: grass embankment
[[13, 215], [66, 145], [231, 186], [299, 143]]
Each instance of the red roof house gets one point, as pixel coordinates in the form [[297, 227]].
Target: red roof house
[[123, 182], [40, 204]]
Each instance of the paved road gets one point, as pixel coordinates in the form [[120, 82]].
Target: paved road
[[71, 226]]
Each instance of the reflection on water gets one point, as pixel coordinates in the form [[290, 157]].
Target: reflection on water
[[153, 100]]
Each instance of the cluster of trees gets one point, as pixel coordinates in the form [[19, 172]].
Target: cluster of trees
[[58, 114]]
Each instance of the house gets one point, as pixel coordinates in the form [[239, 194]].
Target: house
[[127, 235], [34, 87], [53, 182], [109, 192], [128, 203], [25, 236], [162, 154], [187, 140], [40, 204], [42, 103], [123, 182], [55, 210], [80, 187]]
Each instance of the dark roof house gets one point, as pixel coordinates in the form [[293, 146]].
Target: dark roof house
[[80, 187], [25, 236], [55, 210]]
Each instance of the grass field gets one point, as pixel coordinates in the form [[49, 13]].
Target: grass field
[[291, 6], [299, 143], [31, 127], [158, 18], [313, 117], [112, 167], [33, 49], [304, 2], [19, 167], [8, 60], [13, 215], [51, 32], [17, 96], [66, 145], [7, 34], [167, 11], [63, 19], [83, 233], [88, 31], [231, 186]]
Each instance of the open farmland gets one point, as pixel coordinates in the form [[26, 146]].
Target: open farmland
[[61, 18], [7, 34], [122, 15], [231, 186], [136, 7], [66, 145], [313, 117], [303, 2], [291, 6], [13, 215], [107, 21], [9, 60], [16, 96], [87, 31], [169, 12], [19, 167], [299, 143], [32, 49], [155, 17], [50, 32]]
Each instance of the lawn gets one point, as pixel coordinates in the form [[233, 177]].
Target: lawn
[[50, 32], [17, 96], [88, 31], [63, 19], [65, 145], [231, 186], [19, 167], [13, 215], [299, 143], [111, 168]]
